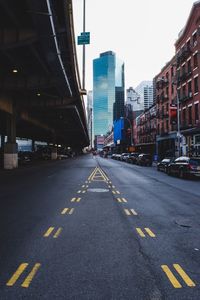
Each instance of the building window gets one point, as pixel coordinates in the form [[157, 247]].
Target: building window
[[195, 60], [189, 88], [167, 125], [184, 116], [194, 39], [190, 115], [196, 88], [189, 66], [196, 111]]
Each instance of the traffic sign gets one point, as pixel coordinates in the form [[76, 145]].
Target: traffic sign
[[84, 38]]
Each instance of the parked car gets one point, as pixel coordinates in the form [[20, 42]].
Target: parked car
[[118, 156], [133, 158], [124, 156], [144, 159], [163, 164], [185, 166], [24, 157]]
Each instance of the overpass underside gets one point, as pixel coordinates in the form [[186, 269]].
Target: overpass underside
[[39, 80]]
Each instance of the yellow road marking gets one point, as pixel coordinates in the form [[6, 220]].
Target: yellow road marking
[[119, 200], [150, 232], [176, 284], [185, 277], [78, 200], [114, 192], [83, 192], [48, 232], [140, 232], [133, 212], [124, 200], [17, 274], [79, 192], [83, 186], [71, 211], [117, 192], [73, 199], [30, 276], [64, 211], [89, 178], [127, 212], [58, 232]]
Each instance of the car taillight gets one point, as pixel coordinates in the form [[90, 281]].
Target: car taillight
[[191, 167]]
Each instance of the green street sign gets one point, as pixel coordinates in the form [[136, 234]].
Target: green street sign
[[84, 38]]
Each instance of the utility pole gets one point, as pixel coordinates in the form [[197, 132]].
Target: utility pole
[[83, 78]]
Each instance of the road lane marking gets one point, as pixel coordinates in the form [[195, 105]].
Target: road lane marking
[[78, 192], [73, 199], [140, 232], [122, 200], [150, 233], [64, 211], [127, 212], [133, 212], [114, 192], [83, 192], [30, 276], [117, 192], [58, 232], [113, 186], [83, 186], [48, 232], [176, 284], [184, 276], [71, 211], [17, 274]]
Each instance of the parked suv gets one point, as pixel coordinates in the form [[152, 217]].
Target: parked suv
[[185, 167], [144, 160], [133, 158]]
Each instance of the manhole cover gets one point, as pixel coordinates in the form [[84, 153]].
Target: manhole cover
[[98, 190]]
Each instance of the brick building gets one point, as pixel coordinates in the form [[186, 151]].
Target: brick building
[[145, 131], [188, 81], [165, 99]]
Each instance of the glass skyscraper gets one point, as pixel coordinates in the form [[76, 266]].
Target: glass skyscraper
[[108, 91]]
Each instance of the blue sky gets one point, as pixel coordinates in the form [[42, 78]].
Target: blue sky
[[141, 32]]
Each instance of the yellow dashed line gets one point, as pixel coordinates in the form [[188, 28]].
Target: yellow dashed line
[[140, 232], [150, 233], [64, 211], [185, 277], [30, 276], [176, 284], [48, 232], [58, 232], [17, 274]]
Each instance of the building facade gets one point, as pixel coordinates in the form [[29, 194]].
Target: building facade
[[90, 115], [145, 90], [134, 99], [108, 91], [166, 104], [188, 82]]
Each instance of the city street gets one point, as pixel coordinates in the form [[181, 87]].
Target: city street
[[94, 228]]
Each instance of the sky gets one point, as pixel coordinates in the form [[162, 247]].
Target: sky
[[141, 32]]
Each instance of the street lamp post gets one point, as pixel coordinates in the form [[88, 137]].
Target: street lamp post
[[83, 79]]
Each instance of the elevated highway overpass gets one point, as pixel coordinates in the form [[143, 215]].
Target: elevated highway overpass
[[40, 92]]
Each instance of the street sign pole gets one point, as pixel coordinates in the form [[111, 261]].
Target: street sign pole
[[83, 69]]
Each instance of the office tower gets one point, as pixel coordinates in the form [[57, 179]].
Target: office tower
[[145, 90], [108, 91], [134, 99]]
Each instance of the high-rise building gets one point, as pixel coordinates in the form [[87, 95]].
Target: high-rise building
[[134, 99], [108, 91], [145, 90]]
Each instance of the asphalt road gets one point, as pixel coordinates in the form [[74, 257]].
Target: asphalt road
[[94, 228]]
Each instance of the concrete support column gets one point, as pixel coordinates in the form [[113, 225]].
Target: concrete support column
[[54, 154], [11, 147]]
